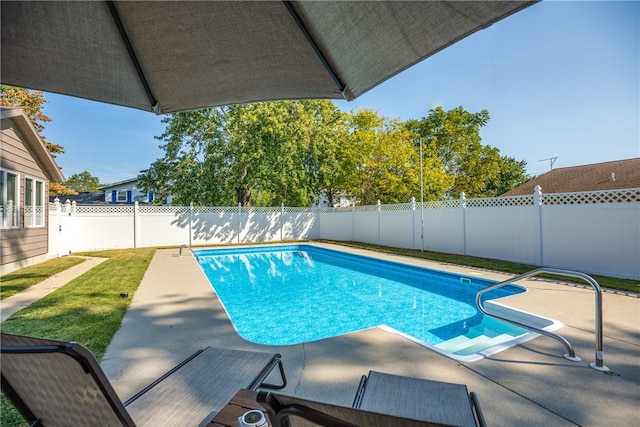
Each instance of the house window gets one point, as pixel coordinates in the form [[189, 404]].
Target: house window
[[9, 199], [33, 203], [121, 196]]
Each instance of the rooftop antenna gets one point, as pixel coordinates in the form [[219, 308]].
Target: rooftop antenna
[[552, 160]]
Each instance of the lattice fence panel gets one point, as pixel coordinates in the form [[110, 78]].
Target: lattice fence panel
[[105, 210], [396, 207], [368, 208], [163, 209], [499, 202], [299, 210], [262, 210], [593, 197], [442, 204], [215, 210], [335, 209], [631, 195], [253, 210]]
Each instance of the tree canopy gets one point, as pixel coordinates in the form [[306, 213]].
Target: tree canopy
[[291, 152], [272, 152], [83, 182], [387, 162], [32, 103]]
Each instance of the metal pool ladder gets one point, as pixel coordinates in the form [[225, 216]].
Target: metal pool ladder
[[571, 355]]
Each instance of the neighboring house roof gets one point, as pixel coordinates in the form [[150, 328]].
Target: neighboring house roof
[[614, 175], [118, 184], [80, 198], [33, 141]]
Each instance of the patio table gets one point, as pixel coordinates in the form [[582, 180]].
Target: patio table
[[243, 401]]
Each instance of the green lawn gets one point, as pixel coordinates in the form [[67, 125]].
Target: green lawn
[[12, 283], [87, 310]]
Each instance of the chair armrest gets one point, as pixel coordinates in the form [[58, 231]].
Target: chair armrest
[[476, 409], [258, 381], [360, 392]]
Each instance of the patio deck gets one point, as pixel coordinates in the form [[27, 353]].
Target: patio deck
[[175, 312]]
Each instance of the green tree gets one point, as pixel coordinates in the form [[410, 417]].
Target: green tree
[[386, 159], [182, 172], [221, 155], [83, 182], [328, 158], [291, 152], [436, 182], [511, 174], [387, 162], [306, 150], [453, 137]]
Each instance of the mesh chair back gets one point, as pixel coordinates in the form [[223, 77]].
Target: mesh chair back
[[58, 383]]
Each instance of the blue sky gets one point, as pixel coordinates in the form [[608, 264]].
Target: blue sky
[[559, 79]]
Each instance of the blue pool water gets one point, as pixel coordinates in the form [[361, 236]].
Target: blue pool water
[[282, 295]]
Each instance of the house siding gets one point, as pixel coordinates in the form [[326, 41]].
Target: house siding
[[134, 194], [20, 244], [23, 245], [16, 156]]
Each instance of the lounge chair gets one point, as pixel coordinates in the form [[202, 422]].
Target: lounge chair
[[55, 383], [382, 400]]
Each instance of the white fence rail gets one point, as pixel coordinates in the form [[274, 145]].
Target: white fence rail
[[593, 232]]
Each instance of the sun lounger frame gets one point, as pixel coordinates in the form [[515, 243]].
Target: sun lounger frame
[[87, 362]]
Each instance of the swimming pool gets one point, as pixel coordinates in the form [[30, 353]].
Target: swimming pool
[[290, 294]]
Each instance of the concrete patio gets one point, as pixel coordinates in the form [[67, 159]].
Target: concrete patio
[[175, 312]]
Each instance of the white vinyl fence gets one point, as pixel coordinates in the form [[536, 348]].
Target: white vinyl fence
[[591, 232]]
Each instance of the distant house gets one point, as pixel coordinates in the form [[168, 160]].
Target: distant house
[[82, 198], [119, 192], [615, 175], [126, 192], [340, 201], [26, 167]]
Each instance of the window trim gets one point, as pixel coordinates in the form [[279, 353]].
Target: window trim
[[121, 196], [37, 220], [3, 200]]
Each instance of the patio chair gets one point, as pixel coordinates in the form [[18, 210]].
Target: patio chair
[[382, 400], [55, 383], [415, 398]]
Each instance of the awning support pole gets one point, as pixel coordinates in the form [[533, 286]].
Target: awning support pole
[[125, 39], [341, 86]]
